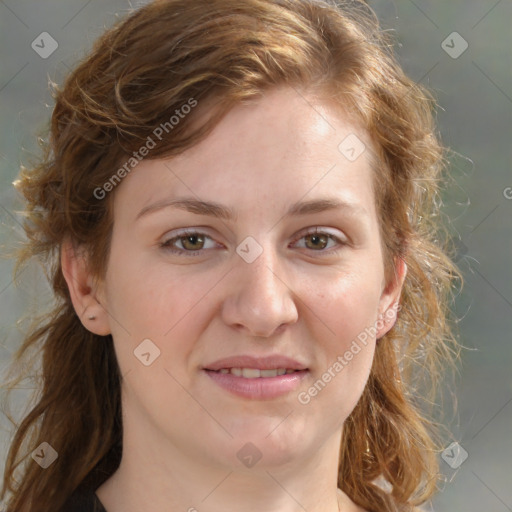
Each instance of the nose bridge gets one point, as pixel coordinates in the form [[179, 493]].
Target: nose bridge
[[260, 299]]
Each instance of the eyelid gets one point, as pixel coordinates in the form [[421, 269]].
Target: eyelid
[[341, 241], [181, 234], [322, 231]]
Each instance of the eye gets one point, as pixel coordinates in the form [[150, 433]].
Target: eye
[[318, 241], [193, 242]]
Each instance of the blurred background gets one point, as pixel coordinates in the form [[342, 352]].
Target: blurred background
[[462, 50]]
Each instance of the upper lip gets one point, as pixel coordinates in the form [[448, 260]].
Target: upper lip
[[271, 362]]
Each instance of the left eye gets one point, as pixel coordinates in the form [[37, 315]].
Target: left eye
[[190, 240], [320, 239]]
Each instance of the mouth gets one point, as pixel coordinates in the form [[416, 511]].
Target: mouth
[[252, 366], [257, 378], [255, 373]]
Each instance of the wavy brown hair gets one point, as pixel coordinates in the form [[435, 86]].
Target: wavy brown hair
[[222, 53]]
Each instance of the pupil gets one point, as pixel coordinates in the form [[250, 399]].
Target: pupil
[[316, 238], [192, 239]]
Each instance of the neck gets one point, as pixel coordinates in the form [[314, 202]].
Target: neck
[[156, 475]]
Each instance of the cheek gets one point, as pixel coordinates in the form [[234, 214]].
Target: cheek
[[167, 308], [149, 299], [348, 313], [348, 306]]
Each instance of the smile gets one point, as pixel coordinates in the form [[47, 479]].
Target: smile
[[256, 373], [257, 384]]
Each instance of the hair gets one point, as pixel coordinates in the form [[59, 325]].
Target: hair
[[222, 53]]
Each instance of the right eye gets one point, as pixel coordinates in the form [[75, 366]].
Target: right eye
[[187, 239]]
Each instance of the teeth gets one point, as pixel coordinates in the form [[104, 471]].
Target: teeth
[[251, 373], [255, 373]]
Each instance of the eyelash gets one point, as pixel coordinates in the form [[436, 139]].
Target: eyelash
[[167, 245]]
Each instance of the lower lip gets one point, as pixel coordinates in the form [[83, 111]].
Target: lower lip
[[258, 388]]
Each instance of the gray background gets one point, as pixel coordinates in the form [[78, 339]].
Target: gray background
[[474, 92]]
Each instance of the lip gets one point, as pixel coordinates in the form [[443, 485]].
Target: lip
[[270, 362], [259, 388]]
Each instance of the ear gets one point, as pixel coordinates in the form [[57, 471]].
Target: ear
[[389, 303], [85, 293]]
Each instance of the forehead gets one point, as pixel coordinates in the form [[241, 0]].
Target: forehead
[[278, 149]]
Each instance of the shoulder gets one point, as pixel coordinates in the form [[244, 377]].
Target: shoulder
[[360, 509], [350, 506], [347, 504]]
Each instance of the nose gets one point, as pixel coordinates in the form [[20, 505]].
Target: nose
[[260, 299]]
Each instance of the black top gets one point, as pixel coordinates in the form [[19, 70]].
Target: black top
[[84, 498], [83, 501]]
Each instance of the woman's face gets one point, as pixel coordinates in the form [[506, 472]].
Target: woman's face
[[257, 284]]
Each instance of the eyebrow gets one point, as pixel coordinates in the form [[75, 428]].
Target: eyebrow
[[213, 209]]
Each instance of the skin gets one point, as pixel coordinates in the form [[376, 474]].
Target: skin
[[182, 431]]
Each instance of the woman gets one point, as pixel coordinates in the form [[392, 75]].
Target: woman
[[237, 210]]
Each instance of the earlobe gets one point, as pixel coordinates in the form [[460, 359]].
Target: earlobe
[[82, 290], [390, 300]]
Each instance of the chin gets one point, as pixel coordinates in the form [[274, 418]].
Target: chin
[[270, 439]]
